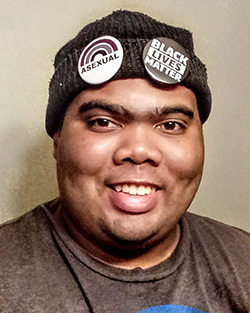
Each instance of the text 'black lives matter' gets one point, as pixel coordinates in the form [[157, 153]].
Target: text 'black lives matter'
[[166, 61]]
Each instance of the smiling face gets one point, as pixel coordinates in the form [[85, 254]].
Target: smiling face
[[129, 162]]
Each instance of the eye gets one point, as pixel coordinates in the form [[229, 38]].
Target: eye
[[171, 127], [102, 124]]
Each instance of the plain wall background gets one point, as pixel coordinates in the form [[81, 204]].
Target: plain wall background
[[31, 32]]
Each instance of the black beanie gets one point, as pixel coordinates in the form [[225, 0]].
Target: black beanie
[[134, 30]]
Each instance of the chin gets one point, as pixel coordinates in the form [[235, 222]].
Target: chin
[[132, 242]]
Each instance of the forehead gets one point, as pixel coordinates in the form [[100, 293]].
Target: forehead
[[138, 95]]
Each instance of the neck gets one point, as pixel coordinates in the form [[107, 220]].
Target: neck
[[120, 255], [143, 257]]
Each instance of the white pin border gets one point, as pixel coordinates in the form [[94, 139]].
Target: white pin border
[[100, 60]]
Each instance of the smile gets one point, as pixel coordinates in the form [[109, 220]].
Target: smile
[[134, 197], [134, 190]]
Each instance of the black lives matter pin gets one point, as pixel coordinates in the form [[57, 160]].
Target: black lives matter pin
[[166, 61]]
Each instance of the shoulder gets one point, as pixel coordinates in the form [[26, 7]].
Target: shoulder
[[19, 230], [220, 254], [26, 248], [23, 239], [31, 266], [220, 243], [213, 229]]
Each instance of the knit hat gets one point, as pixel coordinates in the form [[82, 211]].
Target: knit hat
[[133, 30]]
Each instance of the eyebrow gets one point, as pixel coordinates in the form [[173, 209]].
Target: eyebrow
[[120, 110], [175, 109], [112, 108]]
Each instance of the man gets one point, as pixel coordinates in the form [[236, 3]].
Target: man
[[127, 102]]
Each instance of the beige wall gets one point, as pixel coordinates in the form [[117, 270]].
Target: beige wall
[[30, 34]]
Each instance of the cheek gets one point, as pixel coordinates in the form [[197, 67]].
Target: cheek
[[85, 156], [185, 159]]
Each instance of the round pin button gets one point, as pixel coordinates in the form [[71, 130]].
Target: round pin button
[[100, 60], [166, 61]]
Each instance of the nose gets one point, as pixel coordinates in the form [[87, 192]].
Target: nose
[[138, 145]]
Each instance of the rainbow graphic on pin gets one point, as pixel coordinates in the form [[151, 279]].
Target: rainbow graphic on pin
[[100, 60]]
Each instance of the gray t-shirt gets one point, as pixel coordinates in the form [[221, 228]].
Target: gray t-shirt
[[44, 270]]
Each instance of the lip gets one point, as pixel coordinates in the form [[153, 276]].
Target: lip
[[133, 204]]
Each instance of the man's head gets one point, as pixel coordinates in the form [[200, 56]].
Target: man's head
[[130, 150]]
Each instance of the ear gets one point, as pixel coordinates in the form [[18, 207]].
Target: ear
[[56, 138]]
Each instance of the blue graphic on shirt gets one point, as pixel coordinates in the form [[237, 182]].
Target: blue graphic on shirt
[[171, 308]]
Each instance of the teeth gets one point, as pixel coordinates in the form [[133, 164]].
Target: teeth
[[125, 188], [132, 190], [135, 190], [147, 190], [141, 190], [118, 188]]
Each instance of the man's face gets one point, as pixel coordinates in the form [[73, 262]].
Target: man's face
[[129, 161]]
